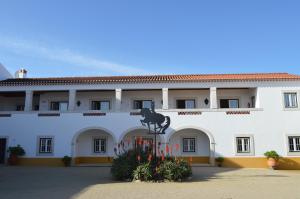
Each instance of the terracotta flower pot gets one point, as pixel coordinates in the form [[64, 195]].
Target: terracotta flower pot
[[272, 163], [13, 160]]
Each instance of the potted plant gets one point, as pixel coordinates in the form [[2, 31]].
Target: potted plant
[[14, 153], [273, 158], [67, 160], [219, 161]]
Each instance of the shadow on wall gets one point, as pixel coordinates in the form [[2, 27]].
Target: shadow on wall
[[285, 163], [289, 163]]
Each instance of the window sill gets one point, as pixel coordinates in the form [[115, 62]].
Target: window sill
[[244, 154], [293, 153], [291, 109]]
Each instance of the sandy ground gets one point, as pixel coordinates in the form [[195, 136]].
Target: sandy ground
[[95, 182]]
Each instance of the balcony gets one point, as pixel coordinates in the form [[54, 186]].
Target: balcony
[[110, 101]]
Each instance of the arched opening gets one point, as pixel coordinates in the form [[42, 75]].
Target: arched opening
[[93, 146], [130, 139], [194, 144]]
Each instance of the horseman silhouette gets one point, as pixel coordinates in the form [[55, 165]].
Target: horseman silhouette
[[160, 122]]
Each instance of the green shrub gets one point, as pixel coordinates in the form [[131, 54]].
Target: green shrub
[[16, 150], [143, 172], [272, 154], [219, 161], [124, 164], [67, 160], [174, 170]]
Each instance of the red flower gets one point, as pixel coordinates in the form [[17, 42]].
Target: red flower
[[149, 157], [162, 157], [167, 148], [177, 147], [139, 158]]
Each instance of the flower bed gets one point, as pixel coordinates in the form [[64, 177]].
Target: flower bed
[[139, 165]]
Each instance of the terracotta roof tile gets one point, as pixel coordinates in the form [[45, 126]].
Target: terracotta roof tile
[[152, 79]]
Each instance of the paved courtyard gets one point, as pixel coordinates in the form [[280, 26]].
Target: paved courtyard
[[95, 182]]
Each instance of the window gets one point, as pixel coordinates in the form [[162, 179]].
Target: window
[[20, 108], [45, 145], [36, 107], [139, 104], [294, 143], [229, 103], [185, 104], [100, 105], [99, 145], [189, 145], [59, 106], [290, 100], [243, 144]]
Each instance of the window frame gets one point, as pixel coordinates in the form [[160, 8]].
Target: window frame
[[228, 99], [292, 153], [189, 145], [59, 102], [100, 101], [185, 100], [142, 100], [284, 102], [94, 146], [41, 153], [251, 143], [20, 107]]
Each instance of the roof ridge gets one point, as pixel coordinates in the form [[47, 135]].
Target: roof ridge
[[156, 75]]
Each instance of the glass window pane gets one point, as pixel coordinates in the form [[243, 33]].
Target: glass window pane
[[137, 104], [147, 104], [104, 105], [233, 103], [63, 106], [95, 105], [290, 100], [180, 104], [189, 103], [243, 144]]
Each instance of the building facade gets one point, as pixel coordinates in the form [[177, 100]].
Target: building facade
[[235, 116]]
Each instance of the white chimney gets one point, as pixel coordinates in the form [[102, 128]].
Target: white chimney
[[22, 73]]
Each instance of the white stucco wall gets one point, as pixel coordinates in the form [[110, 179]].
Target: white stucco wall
[[268, 125]]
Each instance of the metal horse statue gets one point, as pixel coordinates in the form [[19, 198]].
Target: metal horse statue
[[160, 122]]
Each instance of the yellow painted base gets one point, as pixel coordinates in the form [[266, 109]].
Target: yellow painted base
[[41, 162], [196, 159], [285, 163], [288, 163], [93, 160]]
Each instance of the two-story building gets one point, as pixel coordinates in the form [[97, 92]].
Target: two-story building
[[236, 116]]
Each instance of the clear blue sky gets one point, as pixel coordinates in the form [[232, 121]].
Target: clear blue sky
[[79, 38]]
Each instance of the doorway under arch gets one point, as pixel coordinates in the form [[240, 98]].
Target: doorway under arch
[[194, 144], [93, 146]]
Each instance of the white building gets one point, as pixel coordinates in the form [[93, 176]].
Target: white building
[[236, 116]]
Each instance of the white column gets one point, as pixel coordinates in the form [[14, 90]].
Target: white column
[[118, 99], [257, 98], [72, 100], [28, 100], [213, 97], [165, 98]]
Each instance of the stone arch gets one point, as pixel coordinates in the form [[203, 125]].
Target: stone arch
[[111, 141], [201, 130]]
